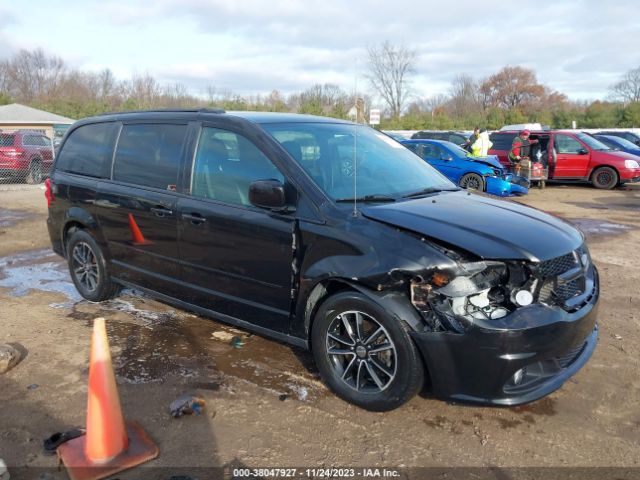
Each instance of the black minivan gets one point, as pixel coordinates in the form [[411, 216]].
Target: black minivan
[[330, 236]]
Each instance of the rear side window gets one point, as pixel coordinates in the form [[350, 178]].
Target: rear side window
[[6, 140], [457, 139], [36, 141], [149, 155], [501, 141], [88, 150]]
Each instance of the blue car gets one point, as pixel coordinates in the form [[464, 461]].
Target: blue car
[[479, 173], [619, 143]]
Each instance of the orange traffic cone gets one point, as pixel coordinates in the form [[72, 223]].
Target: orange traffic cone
[[136, 235], [108, 446]]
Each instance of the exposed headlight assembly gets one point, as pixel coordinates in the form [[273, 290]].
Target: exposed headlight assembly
[[474, 291]]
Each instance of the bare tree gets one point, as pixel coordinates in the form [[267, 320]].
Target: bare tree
[[31, 75], [389, 69], [627, 89], [145, 90], [465, 95], [106, 83]]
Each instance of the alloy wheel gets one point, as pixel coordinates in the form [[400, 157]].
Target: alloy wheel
[[604, 177], [361, 352], [85, 266]]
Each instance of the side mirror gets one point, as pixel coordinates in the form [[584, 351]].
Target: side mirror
[[267, 194], [447, 158], [583, 151]]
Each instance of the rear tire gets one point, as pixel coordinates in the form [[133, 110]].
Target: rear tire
[[605, 178], [35, 175], [472, 181], [88, 268], [376, 371]]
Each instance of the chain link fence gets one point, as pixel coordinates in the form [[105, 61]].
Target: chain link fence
[[26, 155]]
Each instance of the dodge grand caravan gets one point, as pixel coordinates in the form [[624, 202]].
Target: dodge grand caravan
[[333, 237]]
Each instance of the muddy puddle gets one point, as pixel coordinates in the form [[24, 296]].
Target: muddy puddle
[[151, 341], [150, 345], [611, 203], [9, 218], [593, 227]]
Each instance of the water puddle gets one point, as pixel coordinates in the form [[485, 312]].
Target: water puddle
[[40, 270], [151, 341], [593, 227], [11, 217]]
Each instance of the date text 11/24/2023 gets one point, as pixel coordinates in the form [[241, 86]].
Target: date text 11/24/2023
[[315, 473]]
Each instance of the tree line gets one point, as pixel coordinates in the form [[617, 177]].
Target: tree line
[[511, 95]]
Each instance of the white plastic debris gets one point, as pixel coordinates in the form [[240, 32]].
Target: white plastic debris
[[4, 473]]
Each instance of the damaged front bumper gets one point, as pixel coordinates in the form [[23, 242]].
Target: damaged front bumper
[[514, 360], [507, 185]]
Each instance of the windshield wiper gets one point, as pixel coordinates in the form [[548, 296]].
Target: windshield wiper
[[427, 191], [368, 198]]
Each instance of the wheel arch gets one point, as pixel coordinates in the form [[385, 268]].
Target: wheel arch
[[394, 302], [78, 218], [598, 167]]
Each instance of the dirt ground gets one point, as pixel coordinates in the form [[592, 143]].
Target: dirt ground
[[265, 404]]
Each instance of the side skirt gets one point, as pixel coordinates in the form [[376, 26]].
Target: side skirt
[[291, 340]]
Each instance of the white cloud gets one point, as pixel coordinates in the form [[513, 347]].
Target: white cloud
[[578, 47]]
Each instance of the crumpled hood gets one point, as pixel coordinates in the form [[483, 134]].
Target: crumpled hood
[[490, 228], [490, 160]]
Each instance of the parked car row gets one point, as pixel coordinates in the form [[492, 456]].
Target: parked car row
[[573, 156], [332, 237], [484, 174]]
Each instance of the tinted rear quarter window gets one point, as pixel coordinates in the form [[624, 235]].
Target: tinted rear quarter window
[[6, 140], [149, 155], [88, 150], [457, 139], [502, 141]]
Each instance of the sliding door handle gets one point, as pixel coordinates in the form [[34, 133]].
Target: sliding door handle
[[194, 218]]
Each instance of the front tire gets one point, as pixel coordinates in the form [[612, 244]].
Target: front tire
[[88, 268], [472, 181], [364, 354], [604, 178]]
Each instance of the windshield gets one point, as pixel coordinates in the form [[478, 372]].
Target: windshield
[[592, 142], [384, 167], [459, 151], [623, 143]]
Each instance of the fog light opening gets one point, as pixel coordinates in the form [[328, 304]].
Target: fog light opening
[[519, 375], [523, 298]]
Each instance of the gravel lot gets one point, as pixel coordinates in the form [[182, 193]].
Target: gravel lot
[[265, 404]]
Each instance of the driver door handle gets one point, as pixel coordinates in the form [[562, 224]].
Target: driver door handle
[[161, 211]]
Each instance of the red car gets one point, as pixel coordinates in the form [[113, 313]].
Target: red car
[[25, 155], [573, 157]]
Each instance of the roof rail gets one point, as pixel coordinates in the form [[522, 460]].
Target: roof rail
[[169, 110]]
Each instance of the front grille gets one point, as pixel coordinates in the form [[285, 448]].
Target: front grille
[[558, 265], [570, 289], [564, 277]]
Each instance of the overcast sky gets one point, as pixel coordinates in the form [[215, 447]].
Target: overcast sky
[[250, 46]]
